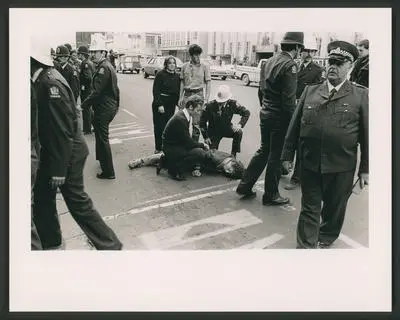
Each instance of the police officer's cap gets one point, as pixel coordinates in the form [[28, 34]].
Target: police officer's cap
[[83, 50], [62, 51], [68, 46], [195, 49], [342, 51], [293, 38]]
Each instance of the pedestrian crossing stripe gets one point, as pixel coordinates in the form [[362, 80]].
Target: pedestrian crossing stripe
[[176, 236]]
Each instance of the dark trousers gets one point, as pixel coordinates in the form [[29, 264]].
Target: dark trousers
[[35, 239], [272, 137], [101, 122], [160, 121], [195, 157], [79, 205], [297, 170], [87, 114], [236, 136], [334, 190]]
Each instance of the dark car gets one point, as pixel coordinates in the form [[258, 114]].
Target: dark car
[[130, 64]]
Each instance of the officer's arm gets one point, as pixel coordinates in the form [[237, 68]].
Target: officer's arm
[[203, 122], [99, 83], [293, 132], [59, 130], [260, 95], [364, 133], [289, 87], [207, 79], [243, 112]]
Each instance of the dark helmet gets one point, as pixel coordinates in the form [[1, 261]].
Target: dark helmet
[[62, 51], [52, 52], [293, 38], [195, 49], [68, 46], [83, 50]]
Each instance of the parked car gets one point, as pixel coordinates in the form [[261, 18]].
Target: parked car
[[249, 74], [216, 69], [129, 64], [156, 64]]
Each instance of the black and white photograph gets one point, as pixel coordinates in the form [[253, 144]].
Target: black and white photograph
[[167, 140]]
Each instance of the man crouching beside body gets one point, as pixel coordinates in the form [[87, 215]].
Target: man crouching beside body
[[181, 151]]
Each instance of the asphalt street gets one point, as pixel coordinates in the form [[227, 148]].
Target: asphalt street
[[155, 212]]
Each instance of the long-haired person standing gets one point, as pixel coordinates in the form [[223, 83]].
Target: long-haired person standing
[[165, 98]]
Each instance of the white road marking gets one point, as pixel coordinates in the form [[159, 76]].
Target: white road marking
[[350, 242], [288, 207], [139, 137], [130, 113], [132, 126], [262, 243], [115, 125], [174, 236], [115, 141], [128, 133]]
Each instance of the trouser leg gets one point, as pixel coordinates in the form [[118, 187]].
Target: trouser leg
[[215, 142], [194, 157], [309, 218], [84, 213], [258, 162], [337, 189]]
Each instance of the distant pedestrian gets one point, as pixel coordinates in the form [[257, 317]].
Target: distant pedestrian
[[62, 160], [216, 120], [360, 73], [86, 74], [165, 98], [278, 84], [331, 121], [196, 80], [104, 99]]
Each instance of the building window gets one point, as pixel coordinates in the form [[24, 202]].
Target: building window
[[247, 47], [238, 48], [150, 40]]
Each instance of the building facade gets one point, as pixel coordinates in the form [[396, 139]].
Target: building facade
[[177, 43]]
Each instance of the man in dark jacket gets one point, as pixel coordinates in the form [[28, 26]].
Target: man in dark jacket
[[331, 120], [62, 159], [279, 85], [104, 98], [85, 77], [309, 73], [216, 120], [181, 151], [67, 70], [360, 73]]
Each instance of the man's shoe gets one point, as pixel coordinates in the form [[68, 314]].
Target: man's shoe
[[292, 185], [278, 201], [323, 245], [105, 176], [248, 194]]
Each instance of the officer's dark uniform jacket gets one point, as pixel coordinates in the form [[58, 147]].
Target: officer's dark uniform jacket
[[85, 77], [330, 132], [220, 121], [360, 73], [278, 83], [35, 145], [311, 74], [60, 137], [105, 91], [72, 77]]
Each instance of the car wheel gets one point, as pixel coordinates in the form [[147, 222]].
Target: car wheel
[[245, 79], [145, 75], [123, 71], [137, 71], [223, 78]]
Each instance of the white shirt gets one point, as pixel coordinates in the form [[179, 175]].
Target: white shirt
[[330, 86], [189, 118]]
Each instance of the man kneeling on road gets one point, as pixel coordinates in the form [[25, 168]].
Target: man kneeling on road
[[216, 120], [216, 162], [181, 151]]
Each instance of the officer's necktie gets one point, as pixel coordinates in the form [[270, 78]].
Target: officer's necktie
[[331, 94]]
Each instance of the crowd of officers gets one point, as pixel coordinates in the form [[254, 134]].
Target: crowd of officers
[[314, 115]]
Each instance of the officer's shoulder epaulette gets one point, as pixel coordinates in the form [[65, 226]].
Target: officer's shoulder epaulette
[[358, 85]]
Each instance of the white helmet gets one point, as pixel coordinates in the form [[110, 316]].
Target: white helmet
[[98, 45], [41, 52]]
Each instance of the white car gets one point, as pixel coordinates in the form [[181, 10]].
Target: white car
[[216, 69]]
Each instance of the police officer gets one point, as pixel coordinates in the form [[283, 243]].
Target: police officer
[[67, 71], [62, 159], [331, 120], [278, 85], [309, 73], [104, 98], [85, 77]]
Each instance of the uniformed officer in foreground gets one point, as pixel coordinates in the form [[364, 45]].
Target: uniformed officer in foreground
[[104, 98], [67, 71], [85, 77], [62, 159], [278, 85], [331, 120]]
